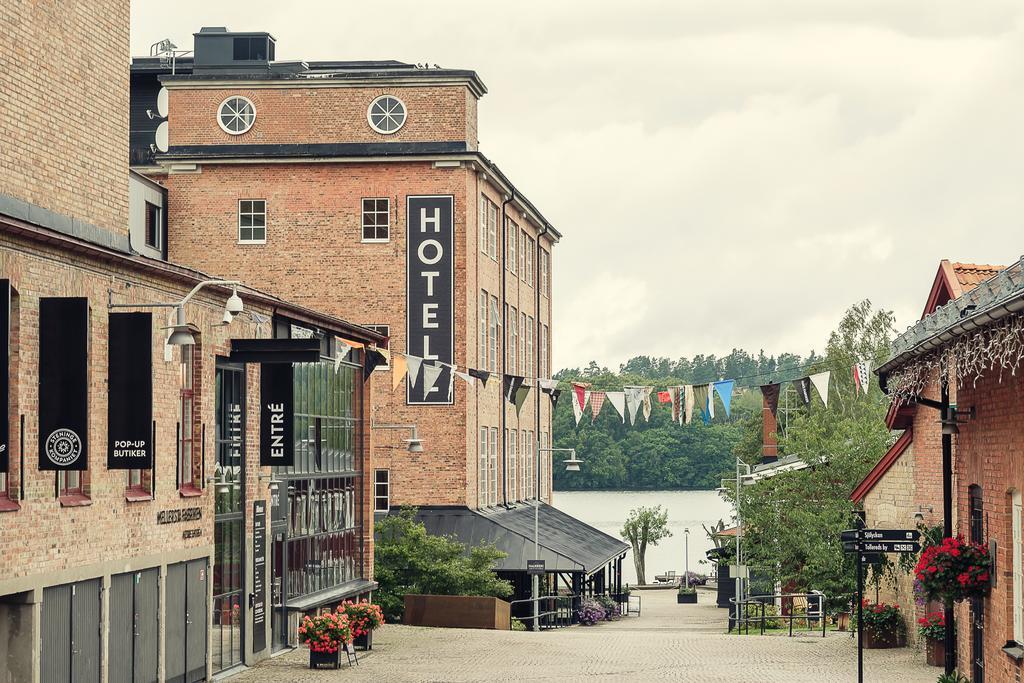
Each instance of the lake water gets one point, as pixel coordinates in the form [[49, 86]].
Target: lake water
[[608, 510]]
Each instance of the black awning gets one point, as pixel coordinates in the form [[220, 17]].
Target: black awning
[[566, 543], [275, 350]]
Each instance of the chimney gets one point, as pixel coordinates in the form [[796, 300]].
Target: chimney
[[769, 439]]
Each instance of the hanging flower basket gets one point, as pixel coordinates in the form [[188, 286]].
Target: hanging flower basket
[[955, 570], [325, 634]]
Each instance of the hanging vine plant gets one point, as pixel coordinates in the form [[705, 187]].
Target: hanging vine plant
[[955, 569]]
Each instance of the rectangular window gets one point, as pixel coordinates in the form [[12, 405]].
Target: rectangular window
[[1018, 571], [69, 483], [545, 273], [492, 465], [492, 230], [187, 441], [482, 220], [522, 254], [250, 48], [381, 490], [544, 352], [495, 333], [386, 331], [511, 456], [482, 360], [482, 474], [252, 221], [154, 225], [530, 273], [376, 219], [531, 330], [522, 346], [545, 460], [527, 464], [510, 252], [512, 326]]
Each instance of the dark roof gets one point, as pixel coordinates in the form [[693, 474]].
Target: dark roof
[[566, 543]]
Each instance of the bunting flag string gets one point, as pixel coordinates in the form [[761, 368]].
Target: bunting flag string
[[688, 399], [466, 377], [512, 384], [861, 375], [596, 403], [673, 396], [399, 368], [724, 391], [771, 393], [553, 394], [618, 401], [481, 375], [520, 397], [647, 403], [634, 399], [580, 397], [803, 390], [414, 363], [820, 382], [700, 398]]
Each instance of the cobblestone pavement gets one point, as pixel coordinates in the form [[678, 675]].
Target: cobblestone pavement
[[668, 642]]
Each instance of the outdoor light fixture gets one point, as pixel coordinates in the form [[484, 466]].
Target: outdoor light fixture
[[414, 444], [573, 463], [228, 317], [234, 303], [181, 334]]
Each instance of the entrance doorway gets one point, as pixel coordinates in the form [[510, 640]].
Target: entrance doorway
[[229, 607]]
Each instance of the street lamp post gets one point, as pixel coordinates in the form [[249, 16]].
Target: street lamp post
[[686, 552], [572, 465]]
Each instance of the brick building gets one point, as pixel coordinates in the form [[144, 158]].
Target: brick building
[[905, 487], [974, 339], [134, 510], [318, 181]]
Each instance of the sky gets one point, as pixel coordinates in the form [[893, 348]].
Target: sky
[[725, 174]]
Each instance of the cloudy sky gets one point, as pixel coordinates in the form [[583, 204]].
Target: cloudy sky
[[726, 174]]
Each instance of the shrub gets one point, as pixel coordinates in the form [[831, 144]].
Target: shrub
[[882, 619], [753, 613], [955, 677], [363, 616], [611, 608], [518, 625], [590, 612], [325, 632], [697, 579], [932, 626], [954, 569]]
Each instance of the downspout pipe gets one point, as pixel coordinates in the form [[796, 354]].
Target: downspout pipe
[[509, 198], [537, 352]]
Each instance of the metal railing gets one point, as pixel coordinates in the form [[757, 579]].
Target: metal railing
[[553, 611], [754, 609]]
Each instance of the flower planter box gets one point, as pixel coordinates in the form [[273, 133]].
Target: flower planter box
[[331, 660], [935, 651], [882, 641], [363, 642], [686, 598]]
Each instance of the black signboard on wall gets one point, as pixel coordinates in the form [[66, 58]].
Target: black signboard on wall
[[430, 286], [5, 371], [130, 391], [277, 415], [63, 383], [259, 575]]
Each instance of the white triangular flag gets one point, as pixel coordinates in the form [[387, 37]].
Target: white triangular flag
[[687, 404], [466, 377], [647, 403], [430, 375], [340, 352], [634, 399], [820, 382], [414, 363], [861, 375], [549, 384], [618, 401]]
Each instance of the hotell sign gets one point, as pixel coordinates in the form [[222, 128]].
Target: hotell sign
[[179, 515]]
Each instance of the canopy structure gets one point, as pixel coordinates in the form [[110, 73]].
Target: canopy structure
[[566, 543]]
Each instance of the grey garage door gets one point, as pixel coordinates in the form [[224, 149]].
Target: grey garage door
[[186, 621], [134, 638], [70, 648]]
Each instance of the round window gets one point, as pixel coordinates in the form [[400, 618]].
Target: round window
[[386, 114], [236, 115]]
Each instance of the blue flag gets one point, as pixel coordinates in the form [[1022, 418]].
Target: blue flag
[[724, 389]]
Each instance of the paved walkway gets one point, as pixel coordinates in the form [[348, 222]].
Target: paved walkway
[[667, 642]]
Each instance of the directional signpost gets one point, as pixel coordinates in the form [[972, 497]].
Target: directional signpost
[[870, 544]]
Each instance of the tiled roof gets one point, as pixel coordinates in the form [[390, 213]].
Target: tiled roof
[[970, 275]]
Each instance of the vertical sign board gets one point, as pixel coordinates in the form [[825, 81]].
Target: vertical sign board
[[63, 383], [130, 391], [430, 290], [277, 415], [5, 370], [259, 575]]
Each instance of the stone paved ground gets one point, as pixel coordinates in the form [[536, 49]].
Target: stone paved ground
[[667, 642]]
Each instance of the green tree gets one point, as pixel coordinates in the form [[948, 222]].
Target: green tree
[[408, 560], [644, 526]]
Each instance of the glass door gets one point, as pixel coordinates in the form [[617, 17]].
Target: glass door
[[229, 606]]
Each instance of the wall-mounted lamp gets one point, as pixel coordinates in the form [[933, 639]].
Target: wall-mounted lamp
[[919, 515], [414, 444], [181, 331]]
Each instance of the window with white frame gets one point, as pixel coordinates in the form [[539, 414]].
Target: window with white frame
[[545, 273], [531, 246], [522, 254], [381, 490], [522, 346], [482, 474], [527, 469], [511, 457], [482, 360], [1018, 570], [252, 221], [544, 351], [545, 460], [384, 330], [492, 229], [510, 249], [376, 219], [512, 329], [492, 465], [494, 329], [531, 330], [482, 220]]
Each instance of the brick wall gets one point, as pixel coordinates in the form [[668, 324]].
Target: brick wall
[[322, 114], [64, 109]]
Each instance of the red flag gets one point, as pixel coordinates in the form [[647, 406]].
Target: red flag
[[664, 397]]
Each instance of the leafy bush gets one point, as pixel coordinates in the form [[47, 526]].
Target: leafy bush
[[683, 590], [954, 569], [408, 560], [882, 619], [753, 613], [590, 612], [955, 677], [697, 579], [325, 632], [518, 625], [932, 626], [611, 608]]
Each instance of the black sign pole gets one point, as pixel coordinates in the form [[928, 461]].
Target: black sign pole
[[259, 576], [948, 413], [860, 618]]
